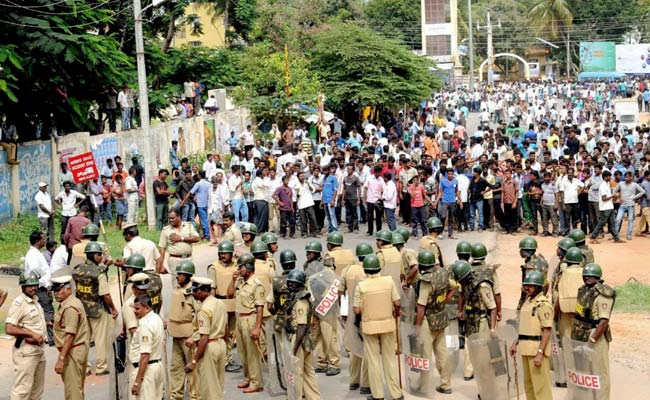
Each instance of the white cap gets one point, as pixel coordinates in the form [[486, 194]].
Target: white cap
[[41, 184], [201, 281]]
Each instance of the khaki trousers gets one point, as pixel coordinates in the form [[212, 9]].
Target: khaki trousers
[[564, 327], [230, 336], [469, 369], [436, 344], [327, 345], [307, 383], [211, 371], [537, 381], [74, 373], [248, 351], [379, 351], [358, 371], [600, 364], [274, 217], [644, 219], [29, 372], [181, 355], [99, 328], [151, 387]]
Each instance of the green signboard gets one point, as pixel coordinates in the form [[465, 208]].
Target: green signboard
[[598, 56]]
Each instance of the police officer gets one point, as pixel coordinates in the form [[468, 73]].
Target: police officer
[[569, 282], [221, 272], [26, 322], [93, 291], [532, 261], [591, 321], [248, 234], [430, 241], [90, 233], [279, 296], [562, 247], [231, 230], [265, 272], [404, 232], [350, 278], [479, 254], [71, 337], [249, 306], [271, 240], [208, 358], [409, 257], [434, 289], [342, 257], [140, 284], [579, 237], [314, 263], [376, 307], [176, 239], [464, 250], [477, 306], [146, 378], [182, 309], [299, 314], [389, 257], [535, 322], [136, 263]]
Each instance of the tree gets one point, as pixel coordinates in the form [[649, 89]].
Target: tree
[[554, 18], [357, 65], [397, 19]]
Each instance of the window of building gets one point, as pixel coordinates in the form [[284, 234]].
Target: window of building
[[437, 12], [195, 43], [438, 45]]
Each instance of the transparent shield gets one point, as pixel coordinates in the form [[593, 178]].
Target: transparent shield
[[557, 357], [292, 370], [584, 372], [324, 289], [418, 362], [277, 386], [453, 344], [352, 338]]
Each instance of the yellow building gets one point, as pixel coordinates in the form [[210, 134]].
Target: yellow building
[[213, 29]]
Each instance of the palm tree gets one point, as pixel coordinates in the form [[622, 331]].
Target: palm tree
[[553, 18]]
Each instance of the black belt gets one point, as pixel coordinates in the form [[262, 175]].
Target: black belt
[[136, 365], [220, 297], [594, 323], [530, 337]]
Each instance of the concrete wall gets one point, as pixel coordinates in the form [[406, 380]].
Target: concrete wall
[[39, 160]]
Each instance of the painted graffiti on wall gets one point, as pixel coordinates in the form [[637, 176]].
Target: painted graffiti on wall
[[35, 167], [103, 150], [5, 188]]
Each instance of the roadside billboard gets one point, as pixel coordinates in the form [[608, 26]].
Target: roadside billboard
[[633, 58], [598, 56]]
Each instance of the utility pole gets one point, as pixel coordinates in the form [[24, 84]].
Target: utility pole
[[149, 165], [490, 49], [471, 45]]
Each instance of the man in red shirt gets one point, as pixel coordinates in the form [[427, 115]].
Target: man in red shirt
[[73, 229]]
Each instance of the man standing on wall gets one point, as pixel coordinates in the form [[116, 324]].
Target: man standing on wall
[[45, 210]]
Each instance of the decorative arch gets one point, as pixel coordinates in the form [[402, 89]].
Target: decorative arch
[[526, 66]]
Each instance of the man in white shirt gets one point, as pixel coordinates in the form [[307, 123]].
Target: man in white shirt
[[303, 191], [606, 214], [316, 181], [261, 195], [123, 101], [463, 212], [569, 191], [59, 261], [45, 210], [274, 212], [35, 262], [219, 199], [68, 199], [138, 245], [247, 138], [389, 195], [210, 167], [235, 183], [132, 196]]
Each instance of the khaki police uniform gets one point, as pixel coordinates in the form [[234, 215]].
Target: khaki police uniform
[[234, 235], [343, 258], [130, 321], [29, 357], [433, 290], [350, 278], [148, 338], [409, 260], [535, 315], [221, 274], [375, 296], [587, 254], [430, 243], [179, 250], [569, 280], [71, 319], [211, 321], [481, 264], [250, 295], [79, 254], [181, 314], [306, 383], [326, 340], [391, 263], [479, 299], [265, 272]]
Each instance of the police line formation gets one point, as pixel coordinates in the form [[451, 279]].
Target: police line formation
[[403, 313]]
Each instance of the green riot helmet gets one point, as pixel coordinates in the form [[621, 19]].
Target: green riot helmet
[[93, 247], [528, 243], [398, 239], [270, 238], [185, 267], [573, 256], [592, 269], [479, 251], [566, 243], [226, 246], [287, 257], [535, 278], [297, 276], [136, 261], [363, 250], [404, 232], [246, 260], [249, 228], [385, 236], [434, 224], [29, 279], [461, 269], [464, 247], [578, 236], [335, 238], [426, 260], [314, 247], [259, 247], [90, 230], [371, 265]]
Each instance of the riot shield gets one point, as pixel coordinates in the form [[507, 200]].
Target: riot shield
[[314, 267], [496, 371], [277, 386], [352, 339], [292, 368], [324, 290], [583, 376], [557, 358], [418, 361], [453, 344]]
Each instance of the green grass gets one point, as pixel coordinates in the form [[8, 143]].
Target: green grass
[[632, 297]]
